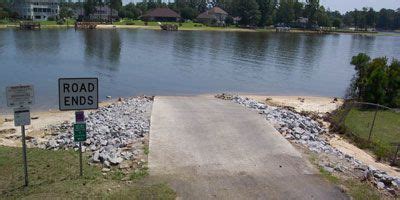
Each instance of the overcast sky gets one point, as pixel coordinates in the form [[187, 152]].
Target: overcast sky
[[342, 5]]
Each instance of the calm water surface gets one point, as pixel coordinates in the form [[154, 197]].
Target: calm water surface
[[133, 62]]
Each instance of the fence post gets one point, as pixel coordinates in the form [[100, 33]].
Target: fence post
[[373, 124], [395, 155]]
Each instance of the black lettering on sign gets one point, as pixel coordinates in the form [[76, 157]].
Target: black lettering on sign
[[66, 87], [91, 87], [83, 88], [75, 100], [75, 87], [82, 100], [90, 100], [66, 101]]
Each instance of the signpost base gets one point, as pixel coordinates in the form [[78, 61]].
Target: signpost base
[[24, 155], [80, 160]]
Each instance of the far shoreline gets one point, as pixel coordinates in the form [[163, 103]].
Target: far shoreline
[[209, 29]]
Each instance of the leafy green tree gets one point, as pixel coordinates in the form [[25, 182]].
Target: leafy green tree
[[376, 81], [311, 9], [89, 6], [130, 11], [248, 11], [188, 13], [285, 13], [65, 12], [116, 4], [267, 11]]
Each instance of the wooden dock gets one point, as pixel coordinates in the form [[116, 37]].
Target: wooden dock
[[28, 25], [86, 25], [169, 27]]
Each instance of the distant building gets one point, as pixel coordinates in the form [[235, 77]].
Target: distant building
[[301, 22], [37, 9], [214, 17], [161, 14], [104, 13], [101, 13]]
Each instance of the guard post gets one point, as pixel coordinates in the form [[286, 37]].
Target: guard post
[[20, 98], [78, 94]]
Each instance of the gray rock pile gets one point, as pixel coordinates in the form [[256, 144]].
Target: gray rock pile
[[306, 131], [112, 132]]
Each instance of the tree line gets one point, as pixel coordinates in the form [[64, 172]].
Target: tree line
[[263, 13]]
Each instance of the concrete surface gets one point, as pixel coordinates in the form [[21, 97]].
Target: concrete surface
[[207, 148]]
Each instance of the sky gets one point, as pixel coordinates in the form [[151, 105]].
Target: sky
[[348, 5], [341, 5]]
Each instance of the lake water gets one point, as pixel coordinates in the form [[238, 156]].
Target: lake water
[[134, 62]]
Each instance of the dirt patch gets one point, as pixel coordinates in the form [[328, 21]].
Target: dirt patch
[[7, 131]]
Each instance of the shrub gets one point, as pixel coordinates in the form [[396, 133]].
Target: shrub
[[376, 81]]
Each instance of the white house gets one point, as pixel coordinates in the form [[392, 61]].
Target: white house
[[37, 9]]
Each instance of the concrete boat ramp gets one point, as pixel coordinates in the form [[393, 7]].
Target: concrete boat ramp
[[207, 148]]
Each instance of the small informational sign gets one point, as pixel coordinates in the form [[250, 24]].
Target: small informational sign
[[19, 96], [78, 93], [79, 132], [80, 117], [22, 117]]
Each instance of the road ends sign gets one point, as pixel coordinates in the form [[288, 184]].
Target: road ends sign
[[80, 132], [78, 93]]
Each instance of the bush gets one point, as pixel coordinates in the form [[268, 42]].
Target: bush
[[60, 22], [129, 23], [51, 19], [376, 81]]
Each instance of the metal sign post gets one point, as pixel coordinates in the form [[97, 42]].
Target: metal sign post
[[80, 135], [20, 98], [78, 94]]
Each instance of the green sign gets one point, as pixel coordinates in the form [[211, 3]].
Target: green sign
[[80, 132]]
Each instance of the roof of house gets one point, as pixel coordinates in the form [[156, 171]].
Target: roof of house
[[211, 12], [162, 12]]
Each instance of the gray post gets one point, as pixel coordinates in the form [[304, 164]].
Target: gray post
[[24, 155], [373, 124], [80, 159]]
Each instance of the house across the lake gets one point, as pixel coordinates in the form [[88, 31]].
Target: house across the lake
[[37, 9], [100, 14], [162, 15], [213, 17]]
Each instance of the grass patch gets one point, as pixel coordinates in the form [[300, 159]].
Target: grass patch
[[356, 189], [146, 150], [358, 123], [139, 173], [55, 174]]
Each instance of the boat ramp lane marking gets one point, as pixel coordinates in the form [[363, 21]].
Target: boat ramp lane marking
[[78, 93]]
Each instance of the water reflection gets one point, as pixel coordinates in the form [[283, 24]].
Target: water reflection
[[37, 42], [287, 51], [102, 48], [312, 51], [362, 43]]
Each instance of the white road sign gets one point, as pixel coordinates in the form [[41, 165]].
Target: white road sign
[[22, 117], [78, 93], [20, 95]]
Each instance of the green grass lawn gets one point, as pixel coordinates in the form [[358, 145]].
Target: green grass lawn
[[385, 132], [55, 174]]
